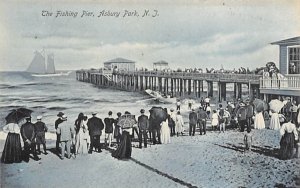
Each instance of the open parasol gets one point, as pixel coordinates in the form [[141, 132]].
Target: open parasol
[[260, 105], [16, 115], [127, 121], [276, 105]]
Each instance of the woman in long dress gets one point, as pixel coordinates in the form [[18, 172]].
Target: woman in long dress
[[12, 152], [165, 132], [124, 149], [82, 136], [214, 120], [274, 122], [179, 124], [289, 135], [259, 122]]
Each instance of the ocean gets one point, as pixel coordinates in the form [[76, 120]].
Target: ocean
[[47, 96]]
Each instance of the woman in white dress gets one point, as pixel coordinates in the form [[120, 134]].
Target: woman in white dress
[[179, 124], [274, 122], [165, 132], [259, 122], [214, 120], [82, 137]]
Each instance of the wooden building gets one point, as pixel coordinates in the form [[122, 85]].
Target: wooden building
[[120, 64], [160, 65], [288, 82]]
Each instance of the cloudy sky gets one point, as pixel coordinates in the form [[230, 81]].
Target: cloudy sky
[[187, 35]]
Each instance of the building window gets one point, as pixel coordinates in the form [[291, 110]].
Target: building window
[[294, 60]]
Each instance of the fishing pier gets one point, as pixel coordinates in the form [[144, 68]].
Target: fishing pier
[[177, 84]]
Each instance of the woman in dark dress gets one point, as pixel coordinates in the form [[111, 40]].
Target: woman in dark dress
[[117, 132], [289, 135], [12, 152], [124, 149]]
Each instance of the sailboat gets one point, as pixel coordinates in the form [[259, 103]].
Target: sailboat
[[39, 67]]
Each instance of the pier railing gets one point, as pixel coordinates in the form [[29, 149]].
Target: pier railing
[[203, 76], [287, 82]]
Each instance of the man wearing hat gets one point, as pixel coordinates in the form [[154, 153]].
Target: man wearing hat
[[40, 128], [95, 127], [28, 135], [66, 131], [57, 122], [192, 122], [171, 121], [143, 124]]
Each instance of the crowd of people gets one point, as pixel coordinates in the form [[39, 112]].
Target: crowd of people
[[83, 136]]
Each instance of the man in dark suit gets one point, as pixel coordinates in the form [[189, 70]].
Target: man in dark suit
[[57, 122], [95, 127], [192, 122], [202, 116], [143, 124], [28, 134]]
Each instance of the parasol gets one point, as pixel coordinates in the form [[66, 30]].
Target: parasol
[[16, 115], [276, 105], [127, 121], [260, 105]]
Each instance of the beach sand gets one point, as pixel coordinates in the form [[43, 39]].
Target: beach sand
[[212, 160]]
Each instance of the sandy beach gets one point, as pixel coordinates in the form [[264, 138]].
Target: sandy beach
[[212, 160]]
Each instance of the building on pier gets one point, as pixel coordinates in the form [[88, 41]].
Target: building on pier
[[160, 65], [120, 64], [289, 67]]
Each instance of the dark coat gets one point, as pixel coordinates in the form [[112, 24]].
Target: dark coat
[[241, 114], [202, 115], [250, 110], [28, 131], [193, 118], [40, 127], [57, 122], [143, 122], [95, 126], [109, 125]]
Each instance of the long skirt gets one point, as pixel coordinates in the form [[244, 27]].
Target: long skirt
[[274, 122], [259, 122], [12, 152], [287, 146], [124, 149], [165, 134]]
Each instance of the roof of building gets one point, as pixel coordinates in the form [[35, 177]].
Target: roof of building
[[290, 41], [162, 62], [119, 60]]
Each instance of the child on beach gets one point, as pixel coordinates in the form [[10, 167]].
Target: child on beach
[[248, 140], [214, 120]]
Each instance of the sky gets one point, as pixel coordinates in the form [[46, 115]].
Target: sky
[[186, 34]]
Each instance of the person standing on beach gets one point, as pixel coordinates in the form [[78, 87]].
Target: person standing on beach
[[28, 134], [221, 118], [178, 103], [41, 128], [171, 121], [143, 124], [109, 121], [95, 127], [208, 110], [250, 113], [202, 116], [242, 116], [57, 122], [117, 132], [192, 122], [289, 134], [248, 140], [207, 101], [179, 124], [214, 120], [66, 131]]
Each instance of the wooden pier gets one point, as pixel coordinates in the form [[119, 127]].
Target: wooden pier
[[172, 83]]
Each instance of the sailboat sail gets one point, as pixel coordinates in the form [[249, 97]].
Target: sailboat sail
[[50, 64], [37, 65]]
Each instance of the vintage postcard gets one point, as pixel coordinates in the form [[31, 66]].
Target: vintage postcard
[[129, 93]]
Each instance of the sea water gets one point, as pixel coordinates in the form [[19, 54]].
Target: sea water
[[47, 96]]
